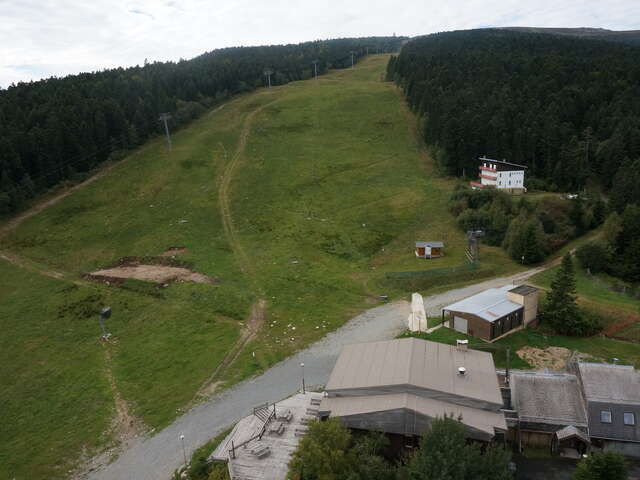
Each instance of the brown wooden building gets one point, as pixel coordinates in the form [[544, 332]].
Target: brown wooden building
[[429, 249], [494, 312]]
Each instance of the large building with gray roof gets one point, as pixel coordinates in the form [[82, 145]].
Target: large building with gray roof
[[400, 386]]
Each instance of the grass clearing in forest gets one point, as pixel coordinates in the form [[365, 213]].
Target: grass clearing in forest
[[330, 190]]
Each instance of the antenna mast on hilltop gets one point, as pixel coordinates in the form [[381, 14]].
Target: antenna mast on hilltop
[[163, 118], [268, 72]]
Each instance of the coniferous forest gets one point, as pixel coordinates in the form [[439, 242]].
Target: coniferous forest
[[568, 108], [60, 128]]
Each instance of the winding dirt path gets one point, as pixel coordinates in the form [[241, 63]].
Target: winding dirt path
[[258, 310], [224, 200], [256, 320]]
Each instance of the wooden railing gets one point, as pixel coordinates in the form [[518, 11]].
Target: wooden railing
[[272, 415]]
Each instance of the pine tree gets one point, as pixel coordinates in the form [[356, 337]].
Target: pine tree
[[561, 309]]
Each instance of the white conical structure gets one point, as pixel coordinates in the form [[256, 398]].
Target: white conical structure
[[417, 321]]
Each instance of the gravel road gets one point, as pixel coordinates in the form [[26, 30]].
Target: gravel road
[[156, 457]]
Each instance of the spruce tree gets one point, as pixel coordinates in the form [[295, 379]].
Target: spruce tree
[[561, 309]]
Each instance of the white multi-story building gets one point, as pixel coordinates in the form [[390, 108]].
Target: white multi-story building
[[500, 174]]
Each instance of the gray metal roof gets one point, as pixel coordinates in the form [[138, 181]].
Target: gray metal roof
[[481, 420], [548, 398], [490, 305], [413, 362], [430, 244], [523, 290], [605, 382]]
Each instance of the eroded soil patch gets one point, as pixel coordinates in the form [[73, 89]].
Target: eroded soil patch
[[161, 270]]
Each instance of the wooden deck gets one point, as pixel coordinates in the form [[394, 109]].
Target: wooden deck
[[274, 464]]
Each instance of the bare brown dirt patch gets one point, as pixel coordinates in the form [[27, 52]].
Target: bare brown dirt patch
[[152, 273], [552, 358]]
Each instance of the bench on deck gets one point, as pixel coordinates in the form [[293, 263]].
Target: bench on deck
[[277, 428], [285, 416], [260, 451]]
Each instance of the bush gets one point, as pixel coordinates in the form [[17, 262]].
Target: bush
[[594, 256], [603, 466]]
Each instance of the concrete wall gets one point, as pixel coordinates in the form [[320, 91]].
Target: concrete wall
[[529, 302]]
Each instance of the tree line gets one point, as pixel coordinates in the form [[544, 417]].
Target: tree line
[[527, 230], [568, 108], [59, 129]]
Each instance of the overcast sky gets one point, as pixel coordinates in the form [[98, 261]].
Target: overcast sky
[[42, 38]]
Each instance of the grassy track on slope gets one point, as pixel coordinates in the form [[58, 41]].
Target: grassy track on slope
[[329, 192]]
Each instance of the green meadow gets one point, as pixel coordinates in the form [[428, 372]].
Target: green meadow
[[303, 195]]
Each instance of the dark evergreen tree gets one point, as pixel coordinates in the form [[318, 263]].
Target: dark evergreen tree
[[561, 309], [566, 107]]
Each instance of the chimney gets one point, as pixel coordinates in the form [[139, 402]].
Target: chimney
[[462, 371], [462, 345]]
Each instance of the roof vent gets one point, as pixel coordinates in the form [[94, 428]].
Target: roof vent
[[462, 371], [462, 344]]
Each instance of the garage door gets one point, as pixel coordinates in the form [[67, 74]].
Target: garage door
[[460, 324]]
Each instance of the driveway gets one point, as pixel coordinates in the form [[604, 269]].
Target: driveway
[[156, 457]]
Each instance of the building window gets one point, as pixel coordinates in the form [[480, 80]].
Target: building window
[[629, 418], [605, 416]]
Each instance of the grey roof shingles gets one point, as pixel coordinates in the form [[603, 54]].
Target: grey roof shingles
[[610, 383], [548, 398]]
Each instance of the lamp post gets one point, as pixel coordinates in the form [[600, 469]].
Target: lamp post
[[184, 453], [303, 388]]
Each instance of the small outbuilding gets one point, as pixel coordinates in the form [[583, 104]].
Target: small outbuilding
[[494, 312], [429, 249]]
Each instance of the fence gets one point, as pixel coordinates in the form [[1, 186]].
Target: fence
[[435, 272]]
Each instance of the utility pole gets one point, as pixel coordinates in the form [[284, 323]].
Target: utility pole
[[352, 53], [163, 118], [315, 68], [184, 452], [268, 72]]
